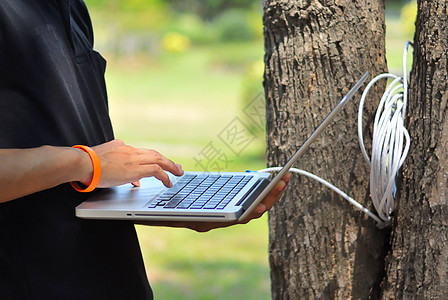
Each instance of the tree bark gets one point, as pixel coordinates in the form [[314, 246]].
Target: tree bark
[[418, 263], [321, 246]]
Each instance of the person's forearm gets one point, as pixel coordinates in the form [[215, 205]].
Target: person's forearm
[[26, 171]]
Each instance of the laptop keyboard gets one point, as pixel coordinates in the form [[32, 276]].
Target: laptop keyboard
[[202, 192]]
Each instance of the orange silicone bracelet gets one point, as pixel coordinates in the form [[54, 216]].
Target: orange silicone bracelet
[[96, 171]]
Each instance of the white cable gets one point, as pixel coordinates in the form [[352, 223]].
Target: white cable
[[389, 136], [324, 182], [388, 155]]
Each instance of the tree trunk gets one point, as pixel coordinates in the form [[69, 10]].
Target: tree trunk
[[418, 262], [321, 246]]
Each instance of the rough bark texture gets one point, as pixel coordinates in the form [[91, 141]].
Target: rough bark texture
[[418, 262], [321, 246]]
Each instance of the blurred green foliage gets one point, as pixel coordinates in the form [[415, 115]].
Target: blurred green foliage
[[133, 15], [408, 16], [234, 25], [253, 102], [129, 26], [210, 9]]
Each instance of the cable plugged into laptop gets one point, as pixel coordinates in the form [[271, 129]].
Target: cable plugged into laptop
[[390, 146]]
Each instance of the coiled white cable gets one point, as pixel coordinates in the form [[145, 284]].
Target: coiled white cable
[[390, 146], [389, 136]]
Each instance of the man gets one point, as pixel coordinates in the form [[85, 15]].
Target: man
[[53, 96]]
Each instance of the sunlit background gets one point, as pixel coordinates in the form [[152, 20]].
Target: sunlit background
[[179, 73]]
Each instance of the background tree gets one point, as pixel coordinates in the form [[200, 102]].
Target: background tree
[[418, 262], [320, 246]]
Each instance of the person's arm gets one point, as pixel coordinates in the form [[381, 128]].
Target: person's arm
[[26, 171], [267, 203]]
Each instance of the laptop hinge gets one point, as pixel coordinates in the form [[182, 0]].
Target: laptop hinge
[[253, 193]]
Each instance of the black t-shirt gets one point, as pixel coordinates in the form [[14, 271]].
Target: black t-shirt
[[52, 92]]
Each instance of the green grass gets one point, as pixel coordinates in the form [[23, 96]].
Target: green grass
[[177, 104], [184, 99], [223, 264]]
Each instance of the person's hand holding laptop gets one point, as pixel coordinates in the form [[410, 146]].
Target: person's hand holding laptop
[[197, 200]]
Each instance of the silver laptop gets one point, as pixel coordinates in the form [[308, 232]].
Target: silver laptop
[[196, 196]]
